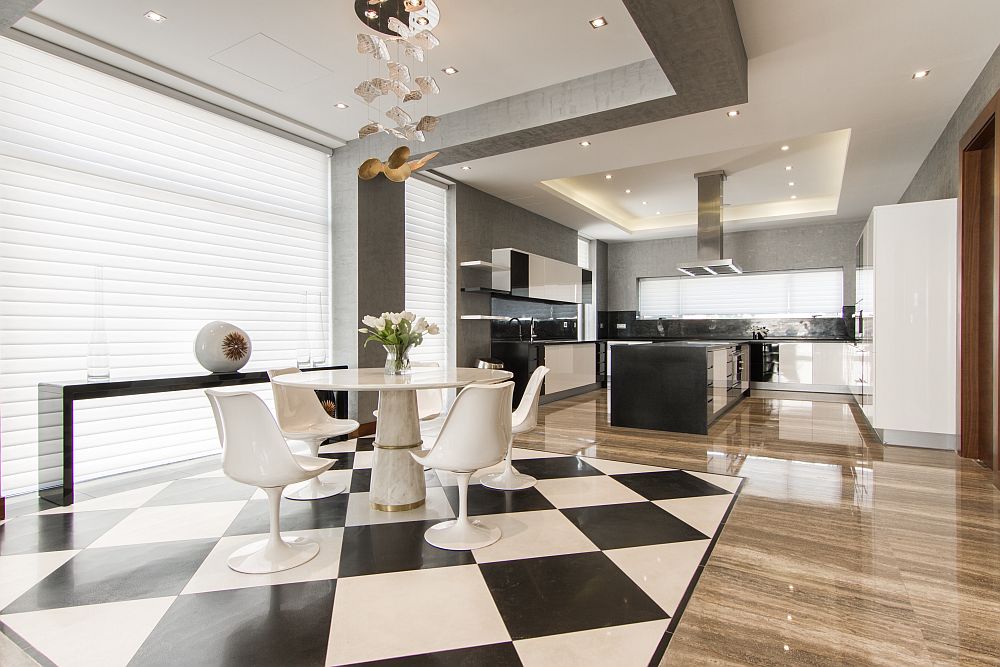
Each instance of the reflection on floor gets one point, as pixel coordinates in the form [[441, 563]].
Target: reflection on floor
[[839, 552], [595, 566]]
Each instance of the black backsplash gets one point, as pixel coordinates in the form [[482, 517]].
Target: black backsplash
[[816, 327], [552, 321]]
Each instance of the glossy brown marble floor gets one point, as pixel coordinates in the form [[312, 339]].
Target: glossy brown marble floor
[[839, 551]]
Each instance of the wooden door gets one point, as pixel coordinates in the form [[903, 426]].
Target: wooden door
[[979, 336]]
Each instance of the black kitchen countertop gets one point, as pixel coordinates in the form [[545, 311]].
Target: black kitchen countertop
[[719, 341]]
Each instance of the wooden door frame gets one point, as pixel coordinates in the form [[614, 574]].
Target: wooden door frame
[[968, 299]]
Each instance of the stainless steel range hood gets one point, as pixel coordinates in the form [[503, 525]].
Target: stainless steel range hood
[[710, 261]]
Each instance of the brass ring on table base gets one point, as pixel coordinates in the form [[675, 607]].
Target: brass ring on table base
[[414, 446], [397, 508]]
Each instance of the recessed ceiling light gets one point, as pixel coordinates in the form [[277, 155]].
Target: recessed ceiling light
[[922, 74], [371, 14], [466, 168], [628, 192], [791, 184], [450, 70], [733, 113], [341, 105], [785, 147], [599, 22], [607, 177], [422, 20], [657, 213], [788, 167], [794, 197], [584, 143], [155, 17], [643, 203]]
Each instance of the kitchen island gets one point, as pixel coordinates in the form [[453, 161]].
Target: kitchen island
[[681, 386]]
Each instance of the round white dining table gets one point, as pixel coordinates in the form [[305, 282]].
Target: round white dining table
[[397, 481]]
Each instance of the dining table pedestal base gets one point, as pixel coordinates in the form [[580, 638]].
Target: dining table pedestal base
[[397, 483]]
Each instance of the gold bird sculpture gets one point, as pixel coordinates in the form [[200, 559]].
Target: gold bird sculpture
[[397, 168]]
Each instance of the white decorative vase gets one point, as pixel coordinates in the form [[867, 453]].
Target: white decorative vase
[[222, 347]]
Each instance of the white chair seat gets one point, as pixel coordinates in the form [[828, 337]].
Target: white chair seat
[[302, 417], [254, 452]]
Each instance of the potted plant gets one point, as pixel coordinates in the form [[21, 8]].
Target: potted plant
[[398, 333]]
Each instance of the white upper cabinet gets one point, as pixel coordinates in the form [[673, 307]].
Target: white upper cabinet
[[539, 277]]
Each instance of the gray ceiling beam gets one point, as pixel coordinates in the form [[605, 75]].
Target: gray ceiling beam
[[697, 44], [11, 11]]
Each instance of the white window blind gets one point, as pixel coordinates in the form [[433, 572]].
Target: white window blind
[[783, 294], [582, 252], [193, 218], [426, 258]]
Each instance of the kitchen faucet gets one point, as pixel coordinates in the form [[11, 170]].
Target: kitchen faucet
[[520, 333]]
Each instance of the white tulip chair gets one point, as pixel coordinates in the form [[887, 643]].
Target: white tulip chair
[[302, 417], [474, 436], [525, 419], [254, 452]]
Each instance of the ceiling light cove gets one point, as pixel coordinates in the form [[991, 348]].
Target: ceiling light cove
[[599, 22], [155, 17], [922, 74]]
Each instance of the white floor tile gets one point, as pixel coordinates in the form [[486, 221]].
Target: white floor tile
[[532, 535], [584, 491], [21, 572], [703, 512], [100, 635], [205, 475], [115, 501], [172, 522], [339, 447], [401, 613], [360, 513], [216, 575], [622, 467], [363, 459], [663, 571], [727, 482], [620, 645]]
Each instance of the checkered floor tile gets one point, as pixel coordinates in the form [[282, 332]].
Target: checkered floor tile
[[594, 567]]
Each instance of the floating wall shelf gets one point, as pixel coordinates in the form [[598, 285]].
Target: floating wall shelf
[[497, 318], [482, 264], [486, 290]]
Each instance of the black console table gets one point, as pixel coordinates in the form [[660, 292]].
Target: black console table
[[55, 412]]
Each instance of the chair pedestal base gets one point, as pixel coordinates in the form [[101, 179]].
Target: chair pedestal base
[[314, 490], [268, 556], [508, 480], [461, 535]]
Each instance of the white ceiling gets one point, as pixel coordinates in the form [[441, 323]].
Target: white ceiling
[[816, 67], [500, 49]]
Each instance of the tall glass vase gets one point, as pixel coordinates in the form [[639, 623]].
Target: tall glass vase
[[397, 360], [98, 355], [302, 346]]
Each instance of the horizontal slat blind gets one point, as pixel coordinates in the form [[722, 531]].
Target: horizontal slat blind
[[193, 217], [783, 294], [426, 254]]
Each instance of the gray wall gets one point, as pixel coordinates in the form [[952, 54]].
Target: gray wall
[[809, 246], [482, 223], [938, 176]]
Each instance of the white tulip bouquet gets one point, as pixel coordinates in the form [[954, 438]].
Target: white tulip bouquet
[[398, 333]]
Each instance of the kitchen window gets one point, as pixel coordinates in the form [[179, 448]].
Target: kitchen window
[[809, 293]]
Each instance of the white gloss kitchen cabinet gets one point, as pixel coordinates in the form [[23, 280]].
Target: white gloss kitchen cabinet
[[812, 366], [525, 274], [904, 365]]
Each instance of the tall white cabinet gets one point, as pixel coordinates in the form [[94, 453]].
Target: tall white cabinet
[[904, 365]]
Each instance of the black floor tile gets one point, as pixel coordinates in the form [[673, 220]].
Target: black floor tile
[[483, 500], [366, 444], [116, 574], [554, 467], [558, 594], [361, 480], [393, 547], [264, 626], [295, 515], [56, 532], [344, 460], [669, 484], [490, 655], [201, 490], [630, 525]]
